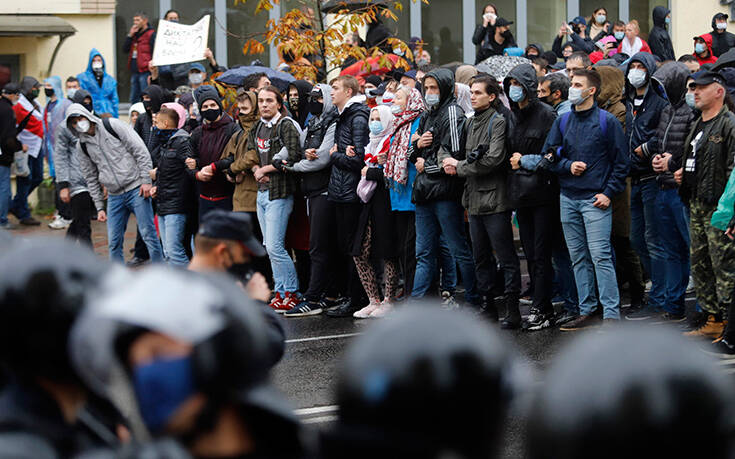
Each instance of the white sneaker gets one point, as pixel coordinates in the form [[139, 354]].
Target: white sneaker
[[649, 285], [365, 312], [384, 309], [690, 285], [59, 223], [448, 301]]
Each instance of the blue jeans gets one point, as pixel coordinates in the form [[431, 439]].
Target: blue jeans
[[119, 208], [172, 228], [587, 232], [5, 194], [24, 186], [433, 219], [564, 284], [138, 84], [448, 278], [674, 234], [273, 220], [645, 237]]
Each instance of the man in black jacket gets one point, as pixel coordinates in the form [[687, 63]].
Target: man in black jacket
[[9, 144], [643, 111], [436, 193], [722, 40], [659, 39], [348, 153]]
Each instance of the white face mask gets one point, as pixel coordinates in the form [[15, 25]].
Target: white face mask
[[96, 65], [721, 25], [396, 109], [637, 78], [82, 126], [196, 78], [575, 96], [70, 92]]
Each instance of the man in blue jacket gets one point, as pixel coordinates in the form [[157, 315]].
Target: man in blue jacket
[[101, 85], [643, 112], [591, 159]]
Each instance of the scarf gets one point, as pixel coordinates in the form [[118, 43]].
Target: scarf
[[379, 143], [396, 168]]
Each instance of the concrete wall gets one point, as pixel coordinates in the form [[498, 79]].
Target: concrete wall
[[57, 7], [692, 18]]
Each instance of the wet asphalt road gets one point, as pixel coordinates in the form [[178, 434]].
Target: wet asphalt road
[[307, 373]]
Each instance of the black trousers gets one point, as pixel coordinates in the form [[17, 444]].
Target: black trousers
[[494, 233], [64, 208], [347, 216], [80, 228], [322, 224], [536, 226], [406, 236]]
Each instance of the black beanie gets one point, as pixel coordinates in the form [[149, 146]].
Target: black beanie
[[205, 93]]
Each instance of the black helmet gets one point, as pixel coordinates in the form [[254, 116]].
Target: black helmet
[[233, 348], [634, 393], [424, 383], [44, 284]]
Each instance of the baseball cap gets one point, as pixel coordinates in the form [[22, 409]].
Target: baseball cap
[[197, 66], [502, 22], [579, 20], [11, 88], [707, 78], [231, 226]]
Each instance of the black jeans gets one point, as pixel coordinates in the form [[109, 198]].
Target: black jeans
[[64, 208], [536, 226], [322, 224], [406, 236], [80, 228], [494, 232], [347, 216]]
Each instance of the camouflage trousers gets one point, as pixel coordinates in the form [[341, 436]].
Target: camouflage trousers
[[713, 260]]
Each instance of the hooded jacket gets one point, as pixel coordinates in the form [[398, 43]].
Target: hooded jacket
[[721, 42], [675, 122], [173, 181], [32, 134], [9, 142], [611, 92], [301, 113], [49, 123], [711, 58], [527, 131], [118, 165], [144, 123], [319, 135], [246, 192], [66, 156], [484, 39], [351, 129], [659, 40], [446, 120], [641, 122], [105, 95]]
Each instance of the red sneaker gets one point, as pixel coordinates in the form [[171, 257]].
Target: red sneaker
[[276, 302], [290, 301]]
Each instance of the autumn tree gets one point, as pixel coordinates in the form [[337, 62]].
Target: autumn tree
[[313, 43]]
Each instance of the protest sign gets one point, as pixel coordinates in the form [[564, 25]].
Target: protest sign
[[177, 43]]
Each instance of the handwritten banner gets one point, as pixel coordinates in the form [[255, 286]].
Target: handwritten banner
[[177, 43]]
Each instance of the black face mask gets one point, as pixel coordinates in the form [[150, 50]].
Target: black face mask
[[48, 91], [506, 34], [192, 123], [147, 104], [239, 271], [89, 107], [316, 108], [34, 93], [211, 115]]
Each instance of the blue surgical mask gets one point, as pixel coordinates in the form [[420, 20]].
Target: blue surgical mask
[[699, 48], [600, 18], [667, 20], [689, 97], [396, 109], [432, 99], [161, 387], [376, 127], [637, 77], [619, 35], [515, 93]]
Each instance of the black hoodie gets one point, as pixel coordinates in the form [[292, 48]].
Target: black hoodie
[[659, 39], [447, 120], [144, 123], [301, 113], [721, 42]]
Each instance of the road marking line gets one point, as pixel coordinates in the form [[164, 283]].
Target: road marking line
[[319, 420], [316, 410], [318, 338]]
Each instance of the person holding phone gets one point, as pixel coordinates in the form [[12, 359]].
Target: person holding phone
[[493, 35], [139, 47], [600, 27]]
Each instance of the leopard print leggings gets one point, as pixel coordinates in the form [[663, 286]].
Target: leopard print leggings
[[367, 273]]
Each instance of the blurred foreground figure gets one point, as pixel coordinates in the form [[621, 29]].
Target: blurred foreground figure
[[426, 383], [195, 353], [635, 393]]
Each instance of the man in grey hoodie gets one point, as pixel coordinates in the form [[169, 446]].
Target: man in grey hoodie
[[112, 155]]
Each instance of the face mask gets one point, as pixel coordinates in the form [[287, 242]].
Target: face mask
[[699, 48], [35, 92], [70, 92], [196, 78], [720, 25], [316, 108], [515, 93], [244, 118], [48, 92], [97, 67], [547, 101], [388, 97], [506, 34], [396, 110], [432, 99], [147, 105], [161, 387], [211, 115], [294, 102], [376, 127], [637, 77], [667, 20], [619, 35], [575, 96], [600, 18], [82, 126], [689, 97], [398, 51], [421, 62], [89, 107]]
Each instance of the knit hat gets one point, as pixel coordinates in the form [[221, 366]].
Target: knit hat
[[205, 93]]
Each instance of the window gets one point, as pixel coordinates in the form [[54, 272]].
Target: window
[[587, 7], [124, 12], [441, 27], [642, 10], [190, 11], [242, 23], [544, 19], [9, 68], [506, 9]]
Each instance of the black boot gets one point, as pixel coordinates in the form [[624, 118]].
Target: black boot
[[488, 309], [512, 319]]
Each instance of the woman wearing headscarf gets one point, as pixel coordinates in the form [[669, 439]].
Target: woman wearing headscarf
[[462, 93], [400, 174], [374, 238]]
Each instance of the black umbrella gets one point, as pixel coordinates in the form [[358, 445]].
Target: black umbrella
[[725, 60]]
